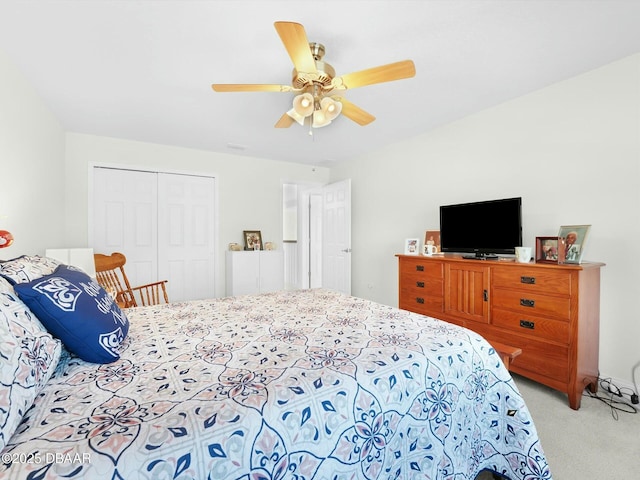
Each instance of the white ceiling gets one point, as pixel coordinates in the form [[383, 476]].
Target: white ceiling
[[142, 70]]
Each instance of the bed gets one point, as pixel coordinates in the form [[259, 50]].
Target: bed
[[308, 384]]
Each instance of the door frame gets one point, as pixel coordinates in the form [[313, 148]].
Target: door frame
[[305, 191], [304, 227]]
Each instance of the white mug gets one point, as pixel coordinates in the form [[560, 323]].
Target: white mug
[[523, 254], [429, 249]]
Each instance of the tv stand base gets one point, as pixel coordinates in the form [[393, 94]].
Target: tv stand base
[[480, 257]]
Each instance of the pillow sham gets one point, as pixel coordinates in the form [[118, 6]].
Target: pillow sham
[[16, 310], [28, 357], [27, 268], [77, 310]]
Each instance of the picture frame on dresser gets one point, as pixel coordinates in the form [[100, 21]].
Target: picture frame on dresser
[[432, 237], [549, 250], [575, 239], [412, 246]]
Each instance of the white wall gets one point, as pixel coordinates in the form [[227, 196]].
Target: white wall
[[571, 150], [249, 190], [31, 166]]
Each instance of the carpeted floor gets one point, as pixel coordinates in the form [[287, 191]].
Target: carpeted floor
[[595, 442]]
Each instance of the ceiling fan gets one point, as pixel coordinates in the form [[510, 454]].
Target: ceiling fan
[[316, 84]]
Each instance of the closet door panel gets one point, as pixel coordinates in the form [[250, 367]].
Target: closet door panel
[[186, 207], [126, 219]]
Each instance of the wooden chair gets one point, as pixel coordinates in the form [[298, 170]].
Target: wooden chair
[[110, 274]]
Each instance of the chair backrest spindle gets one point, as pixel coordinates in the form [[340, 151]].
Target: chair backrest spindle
[[111, 275]]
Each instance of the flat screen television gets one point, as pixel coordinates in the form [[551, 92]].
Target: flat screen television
[[485, 229]]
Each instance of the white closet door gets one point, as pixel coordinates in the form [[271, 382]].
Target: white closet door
[[186, 227], [163, 223], [125, 219]]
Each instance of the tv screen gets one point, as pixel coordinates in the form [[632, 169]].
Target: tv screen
[[483, 228]]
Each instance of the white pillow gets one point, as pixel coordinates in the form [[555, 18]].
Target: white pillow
[[28, 358], [27, 268]]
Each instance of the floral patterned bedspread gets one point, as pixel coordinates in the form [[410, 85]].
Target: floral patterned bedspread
[[289, 385]]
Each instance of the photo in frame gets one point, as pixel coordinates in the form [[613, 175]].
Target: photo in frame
[[412, 246], [549, 250], [575, 239], [252, 240], [432, 237]]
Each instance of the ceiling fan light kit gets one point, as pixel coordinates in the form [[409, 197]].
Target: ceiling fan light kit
[[302, 107], [315, 81]]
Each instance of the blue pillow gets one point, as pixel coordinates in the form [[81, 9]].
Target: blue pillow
[[76, 309]]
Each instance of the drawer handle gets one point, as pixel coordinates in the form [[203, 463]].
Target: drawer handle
[[420, 284], [525, 302], [528, 280], [419, 300], [527, 324], [420, 268]]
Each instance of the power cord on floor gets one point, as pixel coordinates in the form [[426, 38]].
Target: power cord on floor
[[623, 392], [615, 400]]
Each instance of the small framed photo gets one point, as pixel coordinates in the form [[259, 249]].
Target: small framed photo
[[432, 237], [252, 240], [549, 250], [412, 246], [575, 238]]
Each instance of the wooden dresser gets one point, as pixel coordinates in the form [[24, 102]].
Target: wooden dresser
[[551, 312]]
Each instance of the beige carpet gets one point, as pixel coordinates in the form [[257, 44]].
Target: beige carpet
[[591, 443]]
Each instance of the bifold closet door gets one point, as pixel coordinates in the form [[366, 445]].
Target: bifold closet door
[[164, 223], [186, 227], [125, 219]]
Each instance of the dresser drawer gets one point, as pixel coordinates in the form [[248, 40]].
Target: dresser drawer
[[420, 303], [537, 280], [539, 327], [541, 359], [422, 267], [530, 303], [422, 284], [538, 357]]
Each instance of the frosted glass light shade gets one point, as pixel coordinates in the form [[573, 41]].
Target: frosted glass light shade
[[330, 107], [320, 119], [296, 116], [303, 104]]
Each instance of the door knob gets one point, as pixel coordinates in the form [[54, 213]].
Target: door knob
[[346, 250]]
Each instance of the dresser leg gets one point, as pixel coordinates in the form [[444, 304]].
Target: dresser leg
[[574, 399], [575, 396]]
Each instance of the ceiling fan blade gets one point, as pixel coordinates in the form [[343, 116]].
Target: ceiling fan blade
[[371, 76], [295, 41], [248, 87], [285, 121], [354, 112]]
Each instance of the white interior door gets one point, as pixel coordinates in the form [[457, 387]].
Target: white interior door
[[336, 236], [163, 223], [186, 216]]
